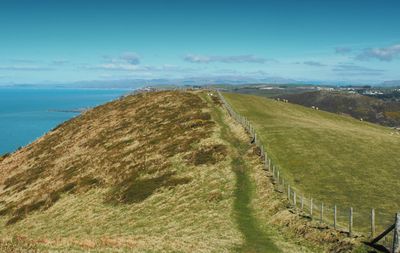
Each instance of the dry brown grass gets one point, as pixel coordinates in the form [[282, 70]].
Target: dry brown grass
[[111, 146], [148, 172]]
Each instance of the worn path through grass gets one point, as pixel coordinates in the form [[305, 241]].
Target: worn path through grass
[[256, 239]]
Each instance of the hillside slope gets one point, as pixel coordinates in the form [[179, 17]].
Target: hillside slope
[[160, 171], [331, 158], [370, 109]]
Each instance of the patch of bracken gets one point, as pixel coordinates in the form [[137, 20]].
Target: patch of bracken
[[208, 155], [135, 190]]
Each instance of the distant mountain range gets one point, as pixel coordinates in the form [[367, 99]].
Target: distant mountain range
[[391, 83], [136, 83], [233, 80]]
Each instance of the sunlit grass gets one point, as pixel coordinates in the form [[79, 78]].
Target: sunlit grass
[[335, 159]]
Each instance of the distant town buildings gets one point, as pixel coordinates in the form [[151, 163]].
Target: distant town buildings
[[372, 92], [325, 88]]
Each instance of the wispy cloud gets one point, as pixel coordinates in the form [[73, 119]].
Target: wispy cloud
[[258, 73], [248, 58], [129, 63], [137, 68], [124, 71], [314, 63], [36, 63], [226, 71], [355, 70], [383, 54], [131, 58], [114, 66], [59, 62], [25, 68], [23, 61], [128, 58], [343, 50]]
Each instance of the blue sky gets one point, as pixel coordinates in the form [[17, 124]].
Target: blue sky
[[66, 41]]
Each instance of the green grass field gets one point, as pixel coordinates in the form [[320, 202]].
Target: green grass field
[[332, 158]]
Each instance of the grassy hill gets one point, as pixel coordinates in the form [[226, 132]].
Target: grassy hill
[[358, 106], [154, 172], [332, 158]]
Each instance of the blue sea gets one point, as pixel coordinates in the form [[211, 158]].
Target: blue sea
[[28, 113]]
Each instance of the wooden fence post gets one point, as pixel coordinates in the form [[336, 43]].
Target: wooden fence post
[[273, 171], [294, 198], [302, 202], [334, 216], [277, 176], [321, 212], [351, 221], [372, 222], [266, 162], [288, 192], [396, 235], [311, 207]]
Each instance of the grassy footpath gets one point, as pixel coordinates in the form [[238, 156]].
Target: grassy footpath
[[333, 158], [256, 239], [256, 204]]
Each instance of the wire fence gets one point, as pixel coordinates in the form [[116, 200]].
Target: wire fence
[[345, 219]]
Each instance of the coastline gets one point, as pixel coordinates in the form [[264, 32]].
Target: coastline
[[26, 114]]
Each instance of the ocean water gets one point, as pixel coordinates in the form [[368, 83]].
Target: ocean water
[[28, 113]]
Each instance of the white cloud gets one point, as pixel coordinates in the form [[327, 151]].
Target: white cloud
[[117, 66], [193, 58], [343, 50], [383, 54], [60, 62], [131, 58], [355, 70], [258, 73], [314, 63], [25, 68], [24, 61]]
